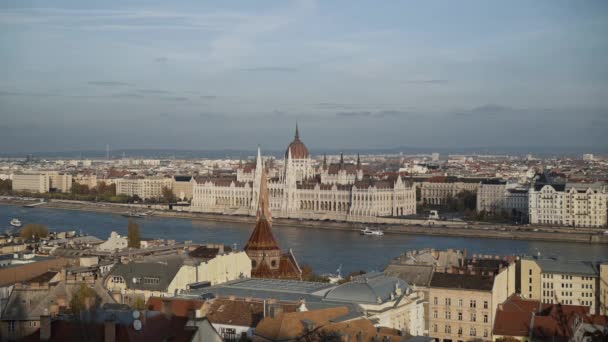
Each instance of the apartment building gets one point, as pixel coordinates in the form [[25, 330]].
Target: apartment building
[[437, 190], [90, 180], [143, 187], [462, 305], [603, 289], [182, 187], [31, 182], [555, 281], [170, 275], [61, 182], [491, 195], [570, 204]]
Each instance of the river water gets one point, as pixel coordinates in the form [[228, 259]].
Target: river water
[[322, 249]]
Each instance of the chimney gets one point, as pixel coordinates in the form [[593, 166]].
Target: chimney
[[166, 307], [45, 327]]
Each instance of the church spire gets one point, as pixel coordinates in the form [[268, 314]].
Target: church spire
[[263, 204], [358, 162], [341, 161], [324, 161], [297, 137]]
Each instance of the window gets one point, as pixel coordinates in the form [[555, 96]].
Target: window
[[473, 317], [473, 304], [460, 316], [448, 302], [434, 327], [117, 280], [459, 331], [530, 272], [151, 280], [273, 263], [460, 302], [485, 304], [11, 326], [435, 314], [435, 300], [485, 333], [448, 315], [485, 318], [448, 329], [228, 334], [253, 264], [472, 332]]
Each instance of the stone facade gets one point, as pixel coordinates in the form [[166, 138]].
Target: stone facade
[[337, 192], [571, 204], [491, 195], [437, 190]]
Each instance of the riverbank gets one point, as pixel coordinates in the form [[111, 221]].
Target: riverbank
[[470, 231]]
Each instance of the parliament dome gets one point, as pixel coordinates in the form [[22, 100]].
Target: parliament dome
[[297, 147]]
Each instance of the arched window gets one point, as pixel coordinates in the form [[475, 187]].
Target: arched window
[[253, 263], [273, 263]]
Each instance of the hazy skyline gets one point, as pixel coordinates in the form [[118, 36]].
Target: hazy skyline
[[234, 74]]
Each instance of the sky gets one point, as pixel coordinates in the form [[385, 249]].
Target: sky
[[77, 75]]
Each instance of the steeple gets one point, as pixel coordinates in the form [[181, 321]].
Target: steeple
[[358, 162], [297, 137], [341, 161], [324, 161], [263, 204], [262, 237], [258, 161]]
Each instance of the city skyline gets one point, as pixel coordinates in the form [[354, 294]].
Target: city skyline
[[202, 76]]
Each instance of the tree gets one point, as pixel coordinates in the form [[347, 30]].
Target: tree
[[34, 230], [168, 196], [6, 186], [309, 275], [133, 234], [80, 189], [83, 299]]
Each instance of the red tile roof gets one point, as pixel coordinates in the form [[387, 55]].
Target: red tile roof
[[513, 318]]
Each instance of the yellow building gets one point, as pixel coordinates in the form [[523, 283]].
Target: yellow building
[[603, 289], [169, 276], [462, 306], [551, 280]]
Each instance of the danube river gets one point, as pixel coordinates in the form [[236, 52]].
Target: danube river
[[322, 249]]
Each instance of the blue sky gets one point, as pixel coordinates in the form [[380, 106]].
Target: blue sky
[[357, 74]]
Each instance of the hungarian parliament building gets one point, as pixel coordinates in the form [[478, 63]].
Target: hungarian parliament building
[[299, 189]]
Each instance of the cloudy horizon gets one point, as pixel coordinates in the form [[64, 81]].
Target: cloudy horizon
[[232, 75]]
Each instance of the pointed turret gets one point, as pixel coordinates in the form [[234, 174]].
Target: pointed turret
[[258, 161], [341, 161], [358, 162], [324, 161], [297, 136]]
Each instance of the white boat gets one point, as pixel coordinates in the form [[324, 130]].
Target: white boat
[[372, 232], [15, 223]]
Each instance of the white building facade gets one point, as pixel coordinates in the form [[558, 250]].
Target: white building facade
[[337, 192], [571, 204]]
